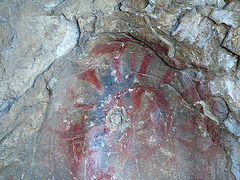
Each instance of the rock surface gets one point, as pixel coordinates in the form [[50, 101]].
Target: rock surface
[[119, 89]]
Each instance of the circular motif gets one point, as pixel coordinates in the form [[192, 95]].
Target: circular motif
[[115, 115]]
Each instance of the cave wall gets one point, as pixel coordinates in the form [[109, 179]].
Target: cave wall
[[111, 89]]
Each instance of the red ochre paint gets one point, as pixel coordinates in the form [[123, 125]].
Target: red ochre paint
[[90, 75], [84, 106], [214, 130], [169, 76], [158, 48], [190, 94], [73, 142], [200, 91], [147, 59], [188, 127], [115, 51], [108, 48], [74, 139], [136, 98], [125, 39]]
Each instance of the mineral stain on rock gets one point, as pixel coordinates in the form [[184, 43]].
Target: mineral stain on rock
[[130, 124]]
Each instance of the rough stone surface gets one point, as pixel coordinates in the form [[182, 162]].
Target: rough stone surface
[[231, 42], [111, 89], [228, 17], [133, 5]]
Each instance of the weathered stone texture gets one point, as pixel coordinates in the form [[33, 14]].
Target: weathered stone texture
[[230, 18], [231, 42], [111, 89], [133, 5]]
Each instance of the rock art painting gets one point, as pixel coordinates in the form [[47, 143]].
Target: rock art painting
[[128, 115]]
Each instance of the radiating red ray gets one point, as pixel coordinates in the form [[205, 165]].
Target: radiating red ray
[[90, 75], [147, 59]]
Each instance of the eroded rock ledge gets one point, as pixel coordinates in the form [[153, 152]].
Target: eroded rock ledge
[[130, 89]]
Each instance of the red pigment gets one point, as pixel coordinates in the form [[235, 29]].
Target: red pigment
[[72, 146], [75, 148], [125, 39], [214, 130], [203, 89], [157, 47], [188, 144], [108, 48], [205, 94], [73, 138], [115, 50], [90, 75], [74, 142], [191, 94], [169, 76], [196, 92], [136, 98], [84, 106], [147, 59]]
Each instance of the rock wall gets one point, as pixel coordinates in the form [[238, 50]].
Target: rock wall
[[111, 89]]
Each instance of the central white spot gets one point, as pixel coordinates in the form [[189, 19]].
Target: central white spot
[[117, 119]]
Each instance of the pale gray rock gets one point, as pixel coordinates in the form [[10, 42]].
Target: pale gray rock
[[105, 5], [6, 35], [233, 147], [48, 5], [204, 38], [53, 38], [133, 5], [4, 10], [229, 88], [70, 9], [19, 129], [230, 18], [217, 3], [233, 6], [231, 42], [195, 44], [187, 30], [205, 10]]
